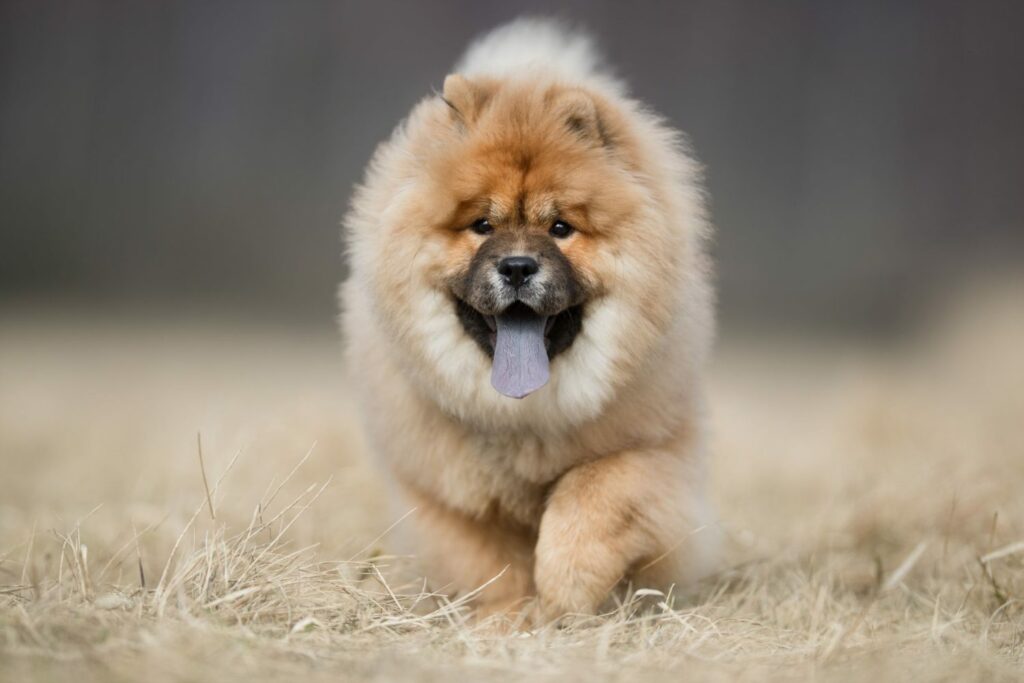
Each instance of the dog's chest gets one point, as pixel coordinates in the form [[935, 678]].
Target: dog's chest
[[528, 458], [476, 472], [507, 474]]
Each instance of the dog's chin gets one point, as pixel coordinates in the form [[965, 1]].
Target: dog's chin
[[560, 328]]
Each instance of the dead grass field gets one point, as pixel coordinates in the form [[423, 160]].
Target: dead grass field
[[872, 495]]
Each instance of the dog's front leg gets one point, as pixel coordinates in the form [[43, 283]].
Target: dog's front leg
[[630, 513]]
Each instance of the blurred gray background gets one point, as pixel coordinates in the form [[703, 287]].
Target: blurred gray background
[[198, 155]]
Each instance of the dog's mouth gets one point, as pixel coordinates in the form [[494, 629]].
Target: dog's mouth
[[521, 342]]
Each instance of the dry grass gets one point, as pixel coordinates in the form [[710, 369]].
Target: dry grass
[[872, 496]]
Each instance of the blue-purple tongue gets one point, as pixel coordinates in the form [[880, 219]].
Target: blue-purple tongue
[[520, 357]]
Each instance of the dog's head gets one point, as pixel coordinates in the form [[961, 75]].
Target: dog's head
[[524, 236]]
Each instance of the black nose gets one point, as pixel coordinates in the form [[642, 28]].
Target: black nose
[[517, 269]]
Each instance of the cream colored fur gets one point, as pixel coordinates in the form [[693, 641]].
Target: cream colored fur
[[599, 477]]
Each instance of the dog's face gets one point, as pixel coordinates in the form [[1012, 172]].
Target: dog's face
[[523, 244], [519, 265]]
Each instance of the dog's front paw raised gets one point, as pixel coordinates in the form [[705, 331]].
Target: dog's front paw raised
[[589, 537]]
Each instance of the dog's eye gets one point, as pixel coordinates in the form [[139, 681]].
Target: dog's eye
[[482, 226], [561, 229]]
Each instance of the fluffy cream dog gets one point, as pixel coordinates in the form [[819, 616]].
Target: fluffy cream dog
[[527, 320]]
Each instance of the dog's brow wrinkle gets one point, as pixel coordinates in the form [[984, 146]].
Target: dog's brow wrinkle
[[500, 210], [544, 210]]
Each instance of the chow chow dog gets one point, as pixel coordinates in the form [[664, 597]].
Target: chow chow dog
[[527, 317]]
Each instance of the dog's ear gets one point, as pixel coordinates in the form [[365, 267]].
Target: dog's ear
[[464, 97], [579, 113]]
